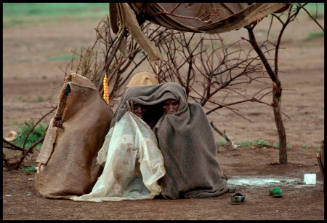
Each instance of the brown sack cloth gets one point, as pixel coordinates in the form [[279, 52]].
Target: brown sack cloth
[[75, 135], [185, 140]]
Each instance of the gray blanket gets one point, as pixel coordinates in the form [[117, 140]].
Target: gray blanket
[[185, 140]]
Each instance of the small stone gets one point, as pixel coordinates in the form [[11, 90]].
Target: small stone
[[8, 195]]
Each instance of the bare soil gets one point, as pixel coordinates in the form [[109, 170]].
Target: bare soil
[[31, 84]]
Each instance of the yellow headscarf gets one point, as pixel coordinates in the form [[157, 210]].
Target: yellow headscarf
[[142, 78]]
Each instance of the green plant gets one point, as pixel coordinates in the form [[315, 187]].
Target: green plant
[[28, 169], [314, 35], [261, 143], [35, 135], [221, 142], [38, 99], [316, 9], [64, 58], [28, 9], [247, 143]]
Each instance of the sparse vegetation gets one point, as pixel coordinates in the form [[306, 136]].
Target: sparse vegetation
[[24, 129], [39, 99], [254, 143], [246, 144], [315, 35], [221, 142], [23, 14], [316, 9], [28, 169], [63, 57], [276, 145], [262, 143]]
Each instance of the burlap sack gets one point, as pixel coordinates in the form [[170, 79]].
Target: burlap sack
[[76, 133]]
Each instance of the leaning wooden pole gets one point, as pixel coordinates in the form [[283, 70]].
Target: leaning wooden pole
[[116, 44]]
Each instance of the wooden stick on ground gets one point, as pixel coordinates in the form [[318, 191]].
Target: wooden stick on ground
[[220, 133]]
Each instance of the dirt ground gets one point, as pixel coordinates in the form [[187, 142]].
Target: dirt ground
[[31, 83]]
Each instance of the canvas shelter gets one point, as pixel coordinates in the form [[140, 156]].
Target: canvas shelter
[[188, 17]]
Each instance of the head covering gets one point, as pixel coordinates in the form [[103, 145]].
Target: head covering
[[142, 78], [150, 95], [185, 140]]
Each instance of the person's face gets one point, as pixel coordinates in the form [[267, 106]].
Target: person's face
[[170, 106], [139, 110]]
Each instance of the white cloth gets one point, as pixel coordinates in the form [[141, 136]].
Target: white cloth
[[133, 163]]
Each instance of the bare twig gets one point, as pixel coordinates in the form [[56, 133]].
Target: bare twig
[[9, 145], [24, 151], [29, 150], [36, 123], [314, 19]]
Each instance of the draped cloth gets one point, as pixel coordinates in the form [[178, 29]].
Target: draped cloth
[[185, 140], [188, 17], [213, 17], [132, 163]]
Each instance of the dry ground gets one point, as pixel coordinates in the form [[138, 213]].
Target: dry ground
[[31, 83]]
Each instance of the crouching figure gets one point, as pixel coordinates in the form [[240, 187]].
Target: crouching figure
[[173, 135]]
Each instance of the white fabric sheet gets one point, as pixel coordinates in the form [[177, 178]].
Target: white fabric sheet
[[133, 163]]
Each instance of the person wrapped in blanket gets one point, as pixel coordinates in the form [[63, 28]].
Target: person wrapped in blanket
[[186, 165]]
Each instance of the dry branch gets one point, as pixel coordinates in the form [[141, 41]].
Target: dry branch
[[273, 74], [121, 57], [25, 152], [197, 58]]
